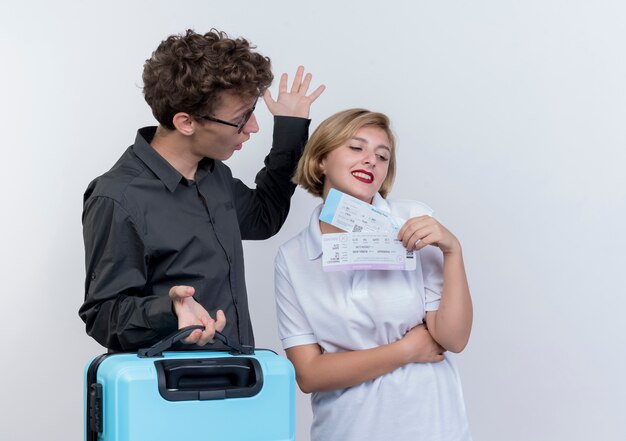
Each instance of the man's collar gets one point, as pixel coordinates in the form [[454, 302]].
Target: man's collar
[[159, 165]]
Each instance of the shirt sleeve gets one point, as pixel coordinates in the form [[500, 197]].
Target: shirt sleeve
[[116, 311], [431, 259], [293, 327], [262, 211]]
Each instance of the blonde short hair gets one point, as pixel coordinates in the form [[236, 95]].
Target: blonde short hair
[[334, 132]]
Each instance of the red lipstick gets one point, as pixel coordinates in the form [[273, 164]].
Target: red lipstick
[[363, 176]]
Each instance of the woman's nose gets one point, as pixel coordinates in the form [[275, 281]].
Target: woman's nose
[[369, 158]]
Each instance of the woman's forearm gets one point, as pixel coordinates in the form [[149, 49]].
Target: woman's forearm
[[323, 372], [317, 371], [451, 324]]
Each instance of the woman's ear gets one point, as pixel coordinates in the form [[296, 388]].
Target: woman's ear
[[321, 166], [184, 123]]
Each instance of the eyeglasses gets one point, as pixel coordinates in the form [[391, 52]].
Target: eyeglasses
[[242, 122]]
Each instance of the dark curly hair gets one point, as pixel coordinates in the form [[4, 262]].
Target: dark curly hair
[[187, 73]]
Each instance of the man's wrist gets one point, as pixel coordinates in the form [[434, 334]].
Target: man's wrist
[[161, 314]]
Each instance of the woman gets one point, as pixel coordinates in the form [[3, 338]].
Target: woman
[[370, 344]]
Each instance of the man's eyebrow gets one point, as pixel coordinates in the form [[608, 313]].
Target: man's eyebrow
[[245, 107], [239, 110]]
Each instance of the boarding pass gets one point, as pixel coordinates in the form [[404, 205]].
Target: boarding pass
[[371, 241], [365, 251], [355, 216]]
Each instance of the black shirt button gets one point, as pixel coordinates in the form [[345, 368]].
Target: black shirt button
[[93, 276]]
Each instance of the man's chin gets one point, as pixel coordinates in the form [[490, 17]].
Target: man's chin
[[226, 156]]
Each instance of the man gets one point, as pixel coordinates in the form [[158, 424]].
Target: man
[[163, 228]]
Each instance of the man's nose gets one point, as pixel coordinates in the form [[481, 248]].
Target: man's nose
[[252, 126]]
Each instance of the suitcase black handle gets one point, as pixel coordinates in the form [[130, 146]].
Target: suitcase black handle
[[157, 349], [209, 378]]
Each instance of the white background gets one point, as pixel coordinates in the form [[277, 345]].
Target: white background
[[510, 117]]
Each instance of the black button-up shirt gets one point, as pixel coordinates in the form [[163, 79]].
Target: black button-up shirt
[[146, 228]]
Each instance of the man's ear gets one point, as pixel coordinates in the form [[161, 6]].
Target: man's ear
[[184, 123]]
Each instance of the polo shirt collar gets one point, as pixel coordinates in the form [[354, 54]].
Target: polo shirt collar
[[313, 234], [158, 165]]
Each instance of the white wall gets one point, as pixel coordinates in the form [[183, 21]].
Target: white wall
[[511, 122]]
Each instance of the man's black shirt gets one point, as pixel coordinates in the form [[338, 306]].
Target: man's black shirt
[[146, 228]]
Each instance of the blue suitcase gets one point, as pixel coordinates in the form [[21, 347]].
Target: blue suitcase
[[193, 395]]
